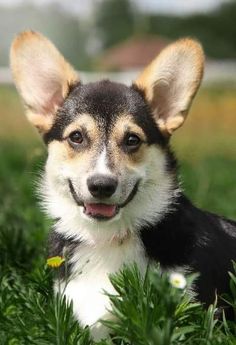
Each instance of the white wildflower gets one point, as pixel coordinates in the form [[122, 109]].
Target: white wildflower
[[177, 280]]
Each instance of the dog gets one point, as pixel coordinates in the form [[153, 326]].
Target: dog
[[111, 180]]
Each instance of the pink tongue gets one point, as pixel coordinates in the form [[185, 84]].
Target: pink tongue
[[100, 210]]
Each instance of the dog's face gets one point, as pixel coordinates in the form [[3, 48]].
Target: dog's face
[[103, 148], [109, 169]]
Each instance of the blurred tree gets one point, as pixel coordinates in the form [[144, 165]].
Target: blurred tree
[[216, 30], [115, 21]]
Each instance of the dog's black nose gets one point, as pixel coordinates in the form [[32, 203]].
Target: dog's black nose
[[102, 186]]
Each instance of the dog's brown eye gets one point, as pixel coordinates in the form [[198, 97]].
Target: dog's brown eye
[[132, 141], [76, 138]]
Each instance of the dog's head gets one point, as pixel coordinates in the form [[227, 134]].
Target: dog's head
[[109, 168]]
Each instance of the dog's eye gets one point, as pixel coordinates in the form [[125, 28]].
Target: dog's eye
[[132, 141], [75, 138]]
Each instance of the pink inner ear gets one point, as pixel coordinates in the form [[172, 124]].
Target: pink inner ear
[[52, 101]]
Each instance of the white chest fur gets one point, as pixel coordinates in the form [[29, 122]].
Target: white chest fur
[[90, 277]]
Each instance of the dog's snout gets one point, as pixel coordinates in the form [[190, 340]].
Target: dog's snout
[[102, 186]]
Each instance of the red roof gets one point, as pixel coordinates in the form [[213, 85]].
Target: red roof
[[133, 53]]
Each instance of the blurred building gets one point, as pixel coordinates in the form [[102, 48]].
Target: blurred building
[[134, 53]]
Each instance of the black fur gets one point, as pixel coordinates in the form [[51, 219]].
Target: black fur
[[105, 100], [197, 239]]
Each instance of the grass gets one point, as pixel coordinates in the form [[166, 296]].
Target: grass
[[151, 311]]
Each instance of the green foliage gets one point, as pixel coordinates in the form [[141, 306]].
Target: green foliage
[[208, 181], [30, 314], [152, 311], [115, 21], [215, 30], [148, 310]]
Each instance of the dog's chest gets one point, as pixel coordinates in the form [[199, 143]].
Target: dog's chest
[[91, 267]]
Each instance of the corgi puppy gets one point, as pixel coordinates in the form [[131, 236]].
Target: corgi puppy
[[111, 181]]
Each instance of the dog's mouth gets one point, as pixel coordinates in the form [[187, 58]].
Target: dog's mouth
[[101, 211]]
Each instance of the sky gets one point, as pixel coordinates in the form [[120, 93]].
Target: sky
[[84, 7], [179, 6]]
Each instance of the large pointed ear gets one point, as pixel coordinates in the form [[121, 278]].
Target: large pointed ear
[[42, 77], [171, 81]]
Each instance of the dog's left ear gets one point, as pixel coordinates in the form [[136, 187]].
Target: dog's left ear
[[171, 81], [42, 77]]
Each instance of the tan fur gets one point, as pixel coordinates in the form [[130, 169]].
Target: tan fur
[[42, 123], [42, 77], [62, 150], [171, 81], [123, 124], [65, 153], [62, 153], [86, 121]]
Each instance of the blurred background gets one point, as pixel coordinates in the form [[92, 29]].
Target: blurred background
[[116, 39]]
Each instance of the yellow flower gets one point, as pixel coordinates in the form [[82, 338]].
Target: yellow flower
[[55, 261], [177, 280]]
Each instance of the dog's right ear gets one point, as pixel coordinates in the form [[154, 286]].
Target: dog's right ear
[[42, 77], [171, 81]]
